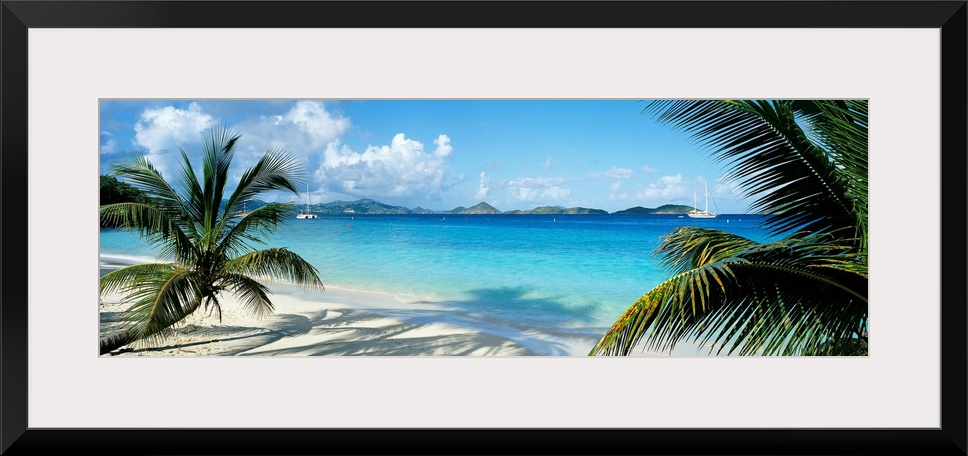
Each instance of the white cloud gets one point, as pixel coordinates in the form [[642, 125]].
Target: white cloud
[[312, 119], [399, 169], [615, 173], [548, 163], [535, 181], [163, 129], [107, 142], [483, 187], [620, 173], [649, 169], [663, 191], [616, 193], [555, 193], [443, 146], [528, 189], [522, 194], [666, 188], [306, 129]]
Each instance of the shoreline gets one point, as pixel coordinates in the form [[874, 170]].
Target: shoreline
[[342, 321]]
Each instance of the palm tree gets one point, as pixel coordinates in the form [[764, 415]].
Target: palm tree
[[208, 252], [805, 164]]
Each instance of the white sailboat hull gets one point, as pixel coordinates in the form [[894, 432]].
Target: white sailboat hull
[[696, 213], [306, 214], [701, 214]]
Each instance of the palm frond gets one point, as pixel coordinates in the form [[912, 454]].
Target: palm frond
[[218, 149], [691, 247], [841, 127], [154, 225], [252, 228], [123, 280], [770, 157], [192, 229], [253, 295], [276, 170], [805, 164], [195, 196], [160, 295], [139, 172], [780, 298], [276, 264]]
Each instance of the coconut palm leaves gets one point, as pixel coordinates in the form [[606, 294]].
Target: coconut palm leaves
[[208, 252], [734, 295], [805, 163]]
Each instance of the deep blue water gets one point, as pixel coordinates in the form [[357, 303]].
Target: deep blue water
[[537, 270]]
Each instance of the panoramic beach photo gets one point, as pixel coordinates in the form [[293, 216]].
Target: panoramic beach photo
[[483, 227]]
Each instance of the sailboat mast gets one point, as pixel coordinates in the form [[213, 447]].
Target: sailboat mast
[[706, 188]]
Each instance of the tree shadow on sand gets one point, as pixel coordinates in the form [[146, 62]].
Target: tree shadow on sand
[[502, 321], [243, 338], [512, 313], [348, 332]]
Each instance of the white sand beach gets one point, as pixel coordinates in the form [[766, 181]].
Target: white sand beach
[[338, 321]]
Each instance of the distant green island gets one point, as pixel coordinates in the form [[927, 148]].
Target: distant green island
[[115, 191], [664, 209], [369, 206], [559, 210]]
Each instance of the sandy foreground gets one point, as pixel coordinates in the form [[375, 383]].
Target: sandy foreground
[[344, 322]]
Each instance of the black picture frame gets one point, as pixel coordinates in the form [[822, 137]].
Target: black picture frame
[[17, 17]]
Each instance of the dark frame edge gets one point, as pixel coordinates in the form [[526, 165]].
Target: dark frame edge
[[954, 106], [16, 438], [478, 13], [13, 200], [745, 442]]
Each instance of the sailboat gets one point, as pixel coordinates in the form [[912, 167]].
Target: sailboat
[[306, 214], [242, 213], [696, 213]]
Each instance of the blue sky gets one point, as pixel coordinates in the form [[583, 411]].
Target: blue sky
[[439, 154]]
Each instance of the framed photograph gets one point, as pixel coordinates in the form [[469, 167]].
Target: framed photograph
[[70, 69]]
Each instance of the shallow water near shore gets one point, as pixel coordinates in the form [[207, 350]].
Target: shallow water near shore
[[538, 280]]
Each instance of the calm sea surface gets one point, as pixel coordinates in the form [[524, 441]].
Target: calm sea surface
[[543, 271]]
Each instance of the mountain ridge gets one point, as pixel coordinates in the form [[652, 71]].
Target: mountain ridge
[[371, 206], [663, 209]]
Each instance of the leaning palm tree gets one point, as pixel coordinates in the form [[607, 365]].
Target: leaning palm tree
[[205, 250], [804, 163]]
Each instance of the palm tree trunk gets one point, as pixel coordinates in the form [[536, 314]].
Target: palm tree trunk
[[117, 340]]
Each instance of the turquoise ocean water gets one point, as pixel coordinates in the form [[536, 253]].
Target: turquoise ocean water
[[551, 272]]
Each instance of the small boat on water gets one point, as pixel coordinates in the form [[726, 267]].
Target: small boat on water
[[696, 213], [242, 213], [307, 214]]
